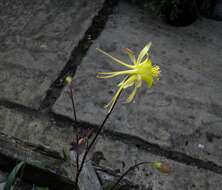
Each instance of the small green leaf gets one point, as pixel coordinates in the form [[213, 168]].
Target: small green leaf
[[12, 176], [66, 155], [43, 188], [39, 188], [108, 186]]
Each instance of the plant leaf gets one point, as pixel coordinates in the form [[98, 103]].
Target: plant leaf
[[39, 188], [66, 154], [12, 176], [43, 188]]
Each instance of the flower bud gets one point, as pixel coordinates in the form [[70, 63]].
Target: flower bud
[[82, 140], [162, 167], [68, 80]]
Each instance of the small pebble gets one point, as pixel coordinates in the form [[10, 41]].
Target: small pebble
[[200, 146]]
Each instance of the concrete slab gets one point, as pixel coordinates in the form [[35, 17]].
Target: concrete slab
[[34, 129], [118, 156], [36, 40], [25, 137], [183, 111], [46, 162]]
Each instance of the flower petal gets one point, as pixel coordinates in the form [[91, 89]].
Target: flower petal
[[131, 55], [123, 80], [149, 81], [129, 82], [115, 59], [113, 74], [139, 81], [132, 95], [143, 53], [113, 100]]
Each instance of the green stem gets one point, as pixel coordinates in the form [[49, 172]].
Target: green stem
[[75, 132], [95, 137], [126, 172]]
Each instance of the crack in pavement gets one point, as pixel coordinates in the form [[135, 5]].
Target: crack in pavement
[[62, 121], [78, 53]]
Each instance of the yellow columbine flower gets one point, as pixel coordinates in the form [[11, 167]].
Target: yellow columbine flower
[[141, 70]]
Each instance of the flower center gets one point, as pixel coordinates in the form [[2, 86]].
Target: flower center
[[155, 71]]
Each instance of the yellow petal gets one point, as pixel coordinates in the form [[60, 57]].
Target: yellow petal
[[125, 84], [149, 81], [115, 59], [132, 95], [105, 76], [113, 100], [131, 55], [139, 81], [129, 82], [113, 74], [143, 53], [123, 80], [128, 85], [138, 84]]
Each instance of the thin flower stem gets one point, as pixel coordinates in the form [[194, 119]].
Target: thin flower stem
[[95, 137], [73, 103], [75, 132], [126, 172]]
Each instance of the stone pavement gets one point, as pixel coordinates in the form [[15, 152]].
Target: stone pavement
[[37, 38], [178, 121], [183, 111], [40, 132]]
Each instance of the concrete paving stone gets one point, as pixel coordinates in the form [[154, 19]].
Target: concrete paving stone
[[36, 40], [183, 111], [42, 132], [34, 129], [117, 156], [120, 157], [35, 140]]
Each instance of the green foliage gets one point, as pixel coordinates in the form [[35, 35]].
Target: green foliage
[[109, 186], [206, 6], [161, 6], [66, 154], [179, 12], [39, 188], [12, 176], [43, 188]]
